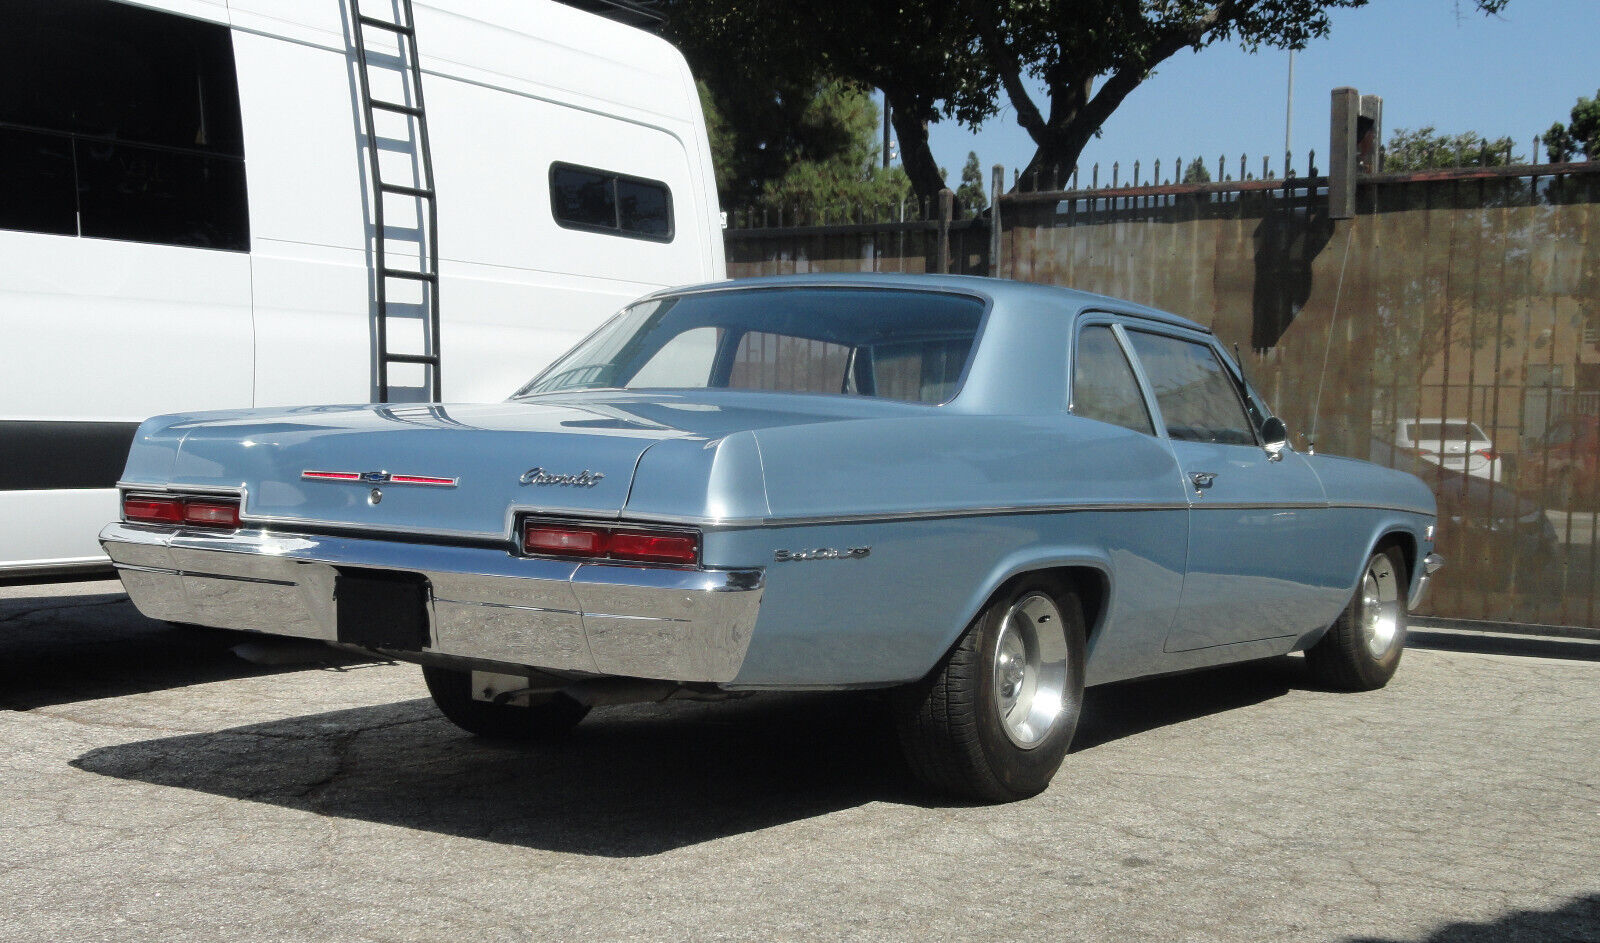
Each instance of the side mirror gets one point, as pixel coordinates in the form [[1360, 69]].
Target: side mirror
[[1274, 436]]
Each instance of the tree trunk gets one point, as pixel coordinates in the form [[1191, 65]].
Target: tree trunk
[[916, 156]]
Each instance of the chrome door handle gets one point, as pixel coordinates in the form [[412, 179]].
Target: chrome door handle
[[1202, 480]]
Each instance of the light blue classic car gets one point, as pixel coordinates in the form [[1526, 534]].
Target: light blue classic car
[[982, 494]]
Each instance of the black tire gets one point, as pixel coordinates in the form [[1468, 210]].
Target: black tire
[[1345, 658], [551, 717], [951, 726]]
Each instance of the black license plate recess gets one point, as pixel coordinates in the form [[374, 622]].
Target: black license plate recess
[[382, 609]]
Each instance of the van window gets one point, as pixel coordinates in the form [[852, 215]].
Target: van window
[[602, 201], [120, 122]]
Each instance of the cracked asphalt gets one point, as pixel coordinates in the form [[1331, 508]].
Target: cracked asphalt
[[155, 787]]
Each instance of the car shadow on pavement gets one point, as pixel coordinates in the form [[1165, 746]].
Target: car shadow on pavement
[[67, 649], [1578, 919], [1523, 645], [1114, 711], [630, 781]]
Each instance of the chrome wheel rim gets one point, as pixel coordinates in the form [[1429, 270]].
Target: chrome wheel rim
[[1030, 670], [1380, 606]]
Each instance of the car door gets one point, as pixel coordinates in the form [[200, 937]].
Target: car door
[[1144, 527], [1254, 513]]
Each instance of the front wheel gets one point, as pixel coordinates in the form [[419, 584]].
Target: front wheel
[[1362, 649], [544, 719], [994, 720]]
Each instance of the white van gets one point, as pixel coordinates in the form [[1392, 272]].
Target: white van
[[190, 216]]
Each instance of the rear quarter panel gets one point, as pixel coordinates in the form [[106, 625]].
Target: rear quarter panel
[[951, 507]]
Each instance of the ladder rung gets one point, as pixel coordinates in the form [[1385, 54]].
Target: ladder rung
[[397, 108], [385, 24], [414, 276], [429, 359], [406, 191]]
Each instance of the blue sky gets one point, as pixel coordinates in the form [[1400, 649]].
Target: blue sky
[[1434, 62]]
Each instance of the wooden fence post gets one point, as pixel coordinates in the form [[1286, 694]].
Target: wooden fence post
[[947, 201]]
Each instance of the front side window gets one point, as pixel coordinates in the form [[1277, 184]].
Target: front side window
[[1103, 384], [904, 345], [1199, 402], [120, 122]]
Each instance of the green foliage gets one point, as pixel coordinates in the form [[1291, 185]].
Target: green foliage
[[969, 60], [1563, 143], [972, 195], [1427, 149], [1196, 172], [809, 147], [836, 163]]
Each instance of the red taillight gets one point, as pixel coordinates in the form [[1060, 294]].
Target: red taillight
[[211, 513], [654, 548], [604, 543], [153, 510], [564, 541], [1488, 454], [201, 512]]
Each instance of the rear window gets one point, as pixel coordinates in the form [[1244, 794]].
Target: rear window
[[903, 345]]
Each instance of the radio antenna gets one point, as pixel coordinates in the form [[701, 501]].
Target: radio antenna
[[1333, 319]]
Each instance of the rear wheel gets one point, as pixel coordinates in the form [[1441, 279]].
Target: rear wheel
[[550, 716], [1362, 649], [994, 720]]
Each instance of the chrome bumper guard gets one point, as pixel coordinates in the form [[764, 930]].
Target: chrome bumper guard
[[1430, 565], [641, 622]]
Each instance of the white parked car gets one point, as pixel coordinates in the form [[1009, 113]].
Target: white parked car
[[1457, 444]]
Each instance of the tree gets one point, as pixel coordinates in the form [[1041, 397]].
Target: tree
[[1426, 149], [805, 147], [971, 58], [837, 161], [1196, 172], [1563, 143], [972, 197]]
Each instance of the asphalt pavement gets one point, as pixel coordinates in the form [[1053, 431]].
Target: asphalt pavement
[[153, 786]]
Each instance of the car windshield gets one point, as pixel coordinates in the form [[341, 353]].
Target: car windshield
[[894, 344], [1452, 431]]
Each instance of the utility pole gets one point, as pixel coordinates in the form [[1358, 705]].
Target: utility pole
[[1288, 117], [886, 107]]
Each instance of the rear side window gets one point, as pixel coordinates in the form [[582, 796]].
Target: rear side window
[[603, 201], [120, 122], [1103, 385], [1198, 400]]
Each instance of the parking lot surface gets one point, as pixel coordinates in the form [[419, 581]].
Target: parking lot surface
[[153, 786]]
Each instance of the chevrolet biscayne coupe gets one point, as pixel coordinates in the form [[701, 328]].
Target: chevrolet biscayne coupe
[[983, 495]]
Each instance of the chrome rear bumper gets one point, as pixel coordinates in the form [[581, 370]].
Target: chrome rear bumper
[[485, 604]]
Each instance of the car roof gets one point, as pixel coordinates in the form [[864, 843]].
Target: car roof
[[1000, 291]]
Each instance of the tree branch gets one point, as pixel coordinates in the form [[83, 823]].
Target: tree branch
[[1008, 67]]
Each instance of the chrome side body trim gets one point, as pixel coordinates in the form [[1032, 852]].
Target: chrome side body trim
[[671, 624], [1430, 565], [948, 513]]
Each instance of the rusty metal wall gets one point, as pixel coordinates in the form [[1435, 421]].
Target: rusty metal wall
[[1470, 295]]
